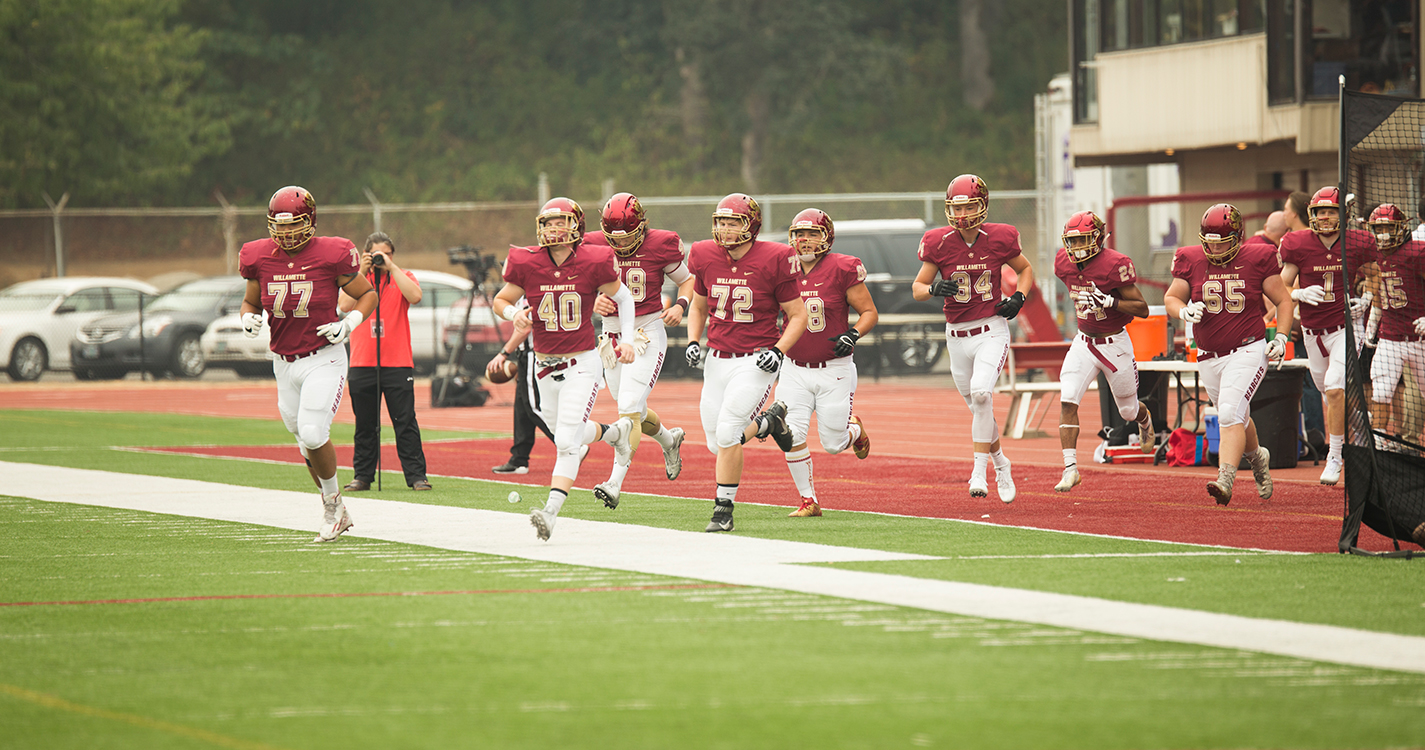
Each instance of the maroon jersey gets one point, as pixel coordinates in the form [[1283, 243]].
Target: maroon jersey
[[1320, 266], [561, 298], [744, 295], [1402, 291], [299, 291], [1232, 294], [1108, 270], [643, 271], [975, 268], [824, 294]]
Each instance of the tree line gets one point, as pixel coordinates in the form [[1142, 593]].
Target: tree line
[[167, 102]]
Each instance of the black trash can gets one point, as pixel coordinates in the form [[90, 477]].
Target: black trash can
[[1276, 410], [1152, 391]]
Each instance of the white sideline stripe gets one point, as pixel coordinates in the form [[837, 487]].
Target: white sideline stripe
[[722, 558]]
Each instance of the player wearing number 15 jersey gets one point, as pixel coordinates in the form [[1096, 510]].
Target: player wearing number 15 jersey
[[968, 256], [643, 256], [1218, 287], [1104, 286]]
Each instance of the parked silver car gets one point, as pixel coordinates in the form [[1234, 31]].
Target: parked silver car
[[39, 318]]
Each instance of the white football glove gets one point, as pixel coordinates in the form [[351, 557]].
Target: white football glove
[[607, 355], [252, 324], [1360, 304], [1310, 295], [339, 330], [1420, 326], [1192, 312], [1276, 348]]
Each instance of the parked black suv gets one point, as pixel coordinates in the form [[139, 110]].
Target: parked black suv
[[910, 336], [168, 341]]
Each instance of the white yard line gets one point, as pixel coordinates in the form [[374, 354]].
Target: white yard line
[[723, 558]]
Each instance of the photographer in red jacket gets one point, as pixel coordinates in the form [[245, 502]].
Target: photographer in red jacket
[[395, 379]]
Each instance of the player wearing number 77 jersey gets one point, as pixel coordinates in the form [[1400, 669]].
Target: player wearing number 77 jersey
[[1218, 287], [294, 278], [968, 256], [1104, 285]]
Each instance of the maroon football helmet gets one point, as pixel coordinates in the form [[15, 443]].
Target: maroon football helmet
[[1221, 233], [816, 220], [292, 217], [624, 224], [1327, 197], [570, 233], [744, 208], [1390, 226], [967, 190], [1083, 236]]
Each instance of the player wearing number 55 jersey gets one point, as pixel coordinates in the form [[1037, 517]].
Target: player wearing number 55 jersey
[[559, 277], [1104, 286], [1218, 287], [742, 284], [643, 256], [820, 375], [968, 256], [294, 278]]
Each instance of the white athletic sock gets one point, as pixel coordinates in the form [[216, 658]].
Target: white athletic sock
[[616, 476], [555, 501], [855, 429], [1334, 451], [663, 436], [799, 464], [329, 488], [727, 492], [1071, 457], [1001, 462], [591, 433], [982, 460]]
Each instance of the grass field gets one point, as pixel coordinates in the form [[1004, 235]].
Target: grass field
[[129, 629]]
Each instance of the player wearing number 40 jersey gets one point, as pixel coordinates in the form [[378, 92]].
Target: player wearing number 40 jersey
[[1218, 287], [560, 277], [968, 256], [821, 375], [643, 256], [1103, 284], [294, 277], [742, 284]]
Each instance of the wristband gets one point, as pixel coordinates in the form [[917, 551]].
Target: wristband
[[683, 303], [509, 313]]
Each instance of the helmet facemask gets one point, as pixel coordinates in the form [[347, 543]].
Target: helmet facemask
[[1220, 250], [731, 236], [1081, 246], [809, 241], [1389, 235], [969, 220], [291, 231], [552, 232], [1324, 224], [625, 244]]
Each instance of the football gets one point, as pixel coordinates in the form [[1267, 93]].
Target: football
[[503, 373]]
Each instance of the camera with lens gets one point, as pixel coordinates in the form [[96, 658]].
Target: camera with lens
[[378, 260], [477, 265]]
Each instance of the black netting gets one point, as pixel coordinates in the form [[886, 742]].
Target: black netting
[[1383, 161]]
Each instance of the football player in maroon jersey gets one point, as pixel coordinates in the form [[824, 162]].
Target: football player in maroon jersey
[[968, 256], [820, 375], [1106, 297], [1313, 257], [295, 278], [1218, 287], [644, 256], [742, 284], [1398, 313], [559, 277]]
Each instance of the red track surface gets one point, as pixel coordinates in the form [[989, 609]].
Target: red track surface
[[919, 463]]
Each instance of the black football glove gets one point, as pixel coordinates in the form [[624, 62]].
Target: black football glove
[[768, 360], [846, 342], [944, 288], [1008, 307], [694, 354]]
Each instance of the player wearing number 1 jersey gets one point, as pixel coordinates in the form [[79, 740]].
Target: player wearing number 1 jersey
[[644, 257], [820, 375], [742, 284], [1104, 286], [968, 256], [294, 278], [1218, 287], [559, 278]]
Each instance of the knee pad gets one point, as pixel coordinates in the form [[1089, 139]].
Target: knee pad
[[312, 436], [727, 437], [1129, 411], [566, 463], [982, 410]]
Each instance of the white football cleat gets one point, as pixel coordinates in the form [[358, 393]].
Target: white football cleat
[[335, 519], [673, 455], [622, 432], [1261, 471], [543, 523], [1332, 473], [608, 492], [979, 487], [1070, 480], [1005, 483]]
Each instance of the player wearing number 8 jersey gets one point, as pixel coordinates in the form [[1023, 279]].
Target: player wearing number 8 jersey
[[1104, 286], [294, 277], [820, 376], [742, 283], [968, 256], [643, 256], [1218, 287], [560, 277]]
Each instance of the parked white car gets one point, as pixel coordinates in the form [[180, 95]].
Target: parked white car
[[39, 318], [224, 344]]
